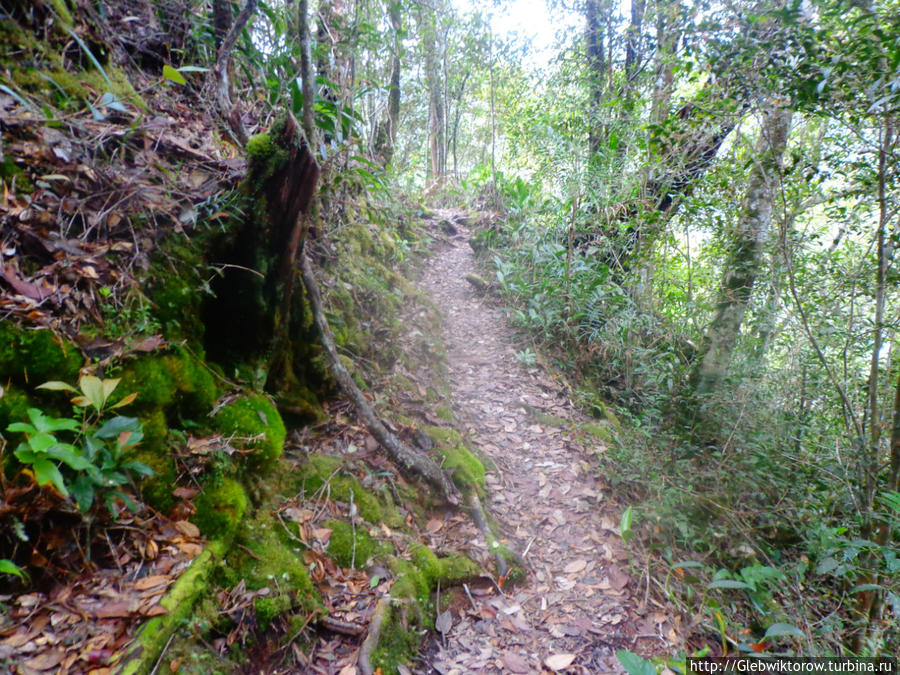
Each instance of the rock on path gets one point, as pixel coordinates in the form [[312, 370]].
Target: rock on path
[[580, 602]]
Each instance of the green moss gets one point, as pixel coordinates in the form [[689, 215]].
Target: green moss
[[259, 145], [397, 646], [263, 558], [85, 86], [144, 650], [255, 424], [597, 430], [349, 549], [271, 607], [13, 406], [175, 289], [33, 357], [444, 412], [449, 570], [466, 469], [154, 383], [153, 451], [220, 509]]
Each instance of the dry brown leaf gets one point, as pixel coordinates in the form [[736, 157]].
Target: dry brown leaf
[[150, 582], [188, 529], [559, 662], [575, 566], [46, 661], [191, 549], [516, 664], [434, 525]]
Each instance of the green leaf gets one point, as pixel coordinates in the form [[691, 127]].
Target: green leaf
[[782, 629], [865, 587], [57, 386], [22, 427], [93, 390], [625, 526], [686, 564], [112, 102], [727, 583], [634, 664], [138, 467], [41, 442], [47, 473], [117, 425], [9, 567], [173, 75], [69, 455], [83, 491], [374, 581]]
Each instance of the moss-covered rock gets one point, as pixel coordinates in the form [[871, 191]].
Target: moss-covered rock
[[153, 451], [466, 469], [220, 509], [34, 356], [176, 381], [449, 570], [14, 405], [349, 546], [374, 508], [263, 557], [254, 424]]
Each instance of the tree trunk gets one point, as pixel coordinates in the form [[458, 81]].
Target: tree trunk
[[387, 136], [306, 71], [222, 18], [743, 262], [436, 121], [596, 19], [220, 83]]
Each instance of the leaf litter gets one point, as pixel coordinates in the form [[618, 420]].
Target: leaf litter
[[580, 602]]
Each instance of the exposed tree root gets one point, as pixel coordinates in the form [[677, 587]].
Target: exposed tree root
[[415, 463], [364, 661]]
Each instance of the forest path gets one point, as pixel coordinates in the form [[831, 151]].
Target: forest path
[[580, 603]]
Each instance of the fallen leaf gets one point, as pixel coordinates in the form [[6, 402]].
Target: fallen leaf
[[434, 525], [575, 566], [559, 662], [150, 582], [444, 622], [347, 670], [47, 660], [516, 664], [188, 529]]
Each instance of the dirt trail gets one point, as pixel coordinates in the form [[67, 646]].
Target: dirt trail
[[580, 597]]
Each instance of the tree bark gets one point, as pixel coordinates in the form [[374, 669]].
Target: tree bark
[[306, 70], [596, 19], [743, 263], [222, 86], [436, 121], [222, 17]]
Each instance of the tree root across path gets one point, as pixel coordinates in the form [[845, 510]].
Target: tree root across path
[[414, 463]]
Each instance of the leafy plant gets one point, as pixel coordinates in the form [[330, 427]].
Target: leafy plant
[[9, 567], [96, 461]]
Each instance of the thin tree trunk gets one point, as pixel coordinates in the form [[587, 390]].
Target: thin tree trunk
[[221, 85], [222, 17], [743, 263], [596, 18], [306, 70], [436, 122]]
